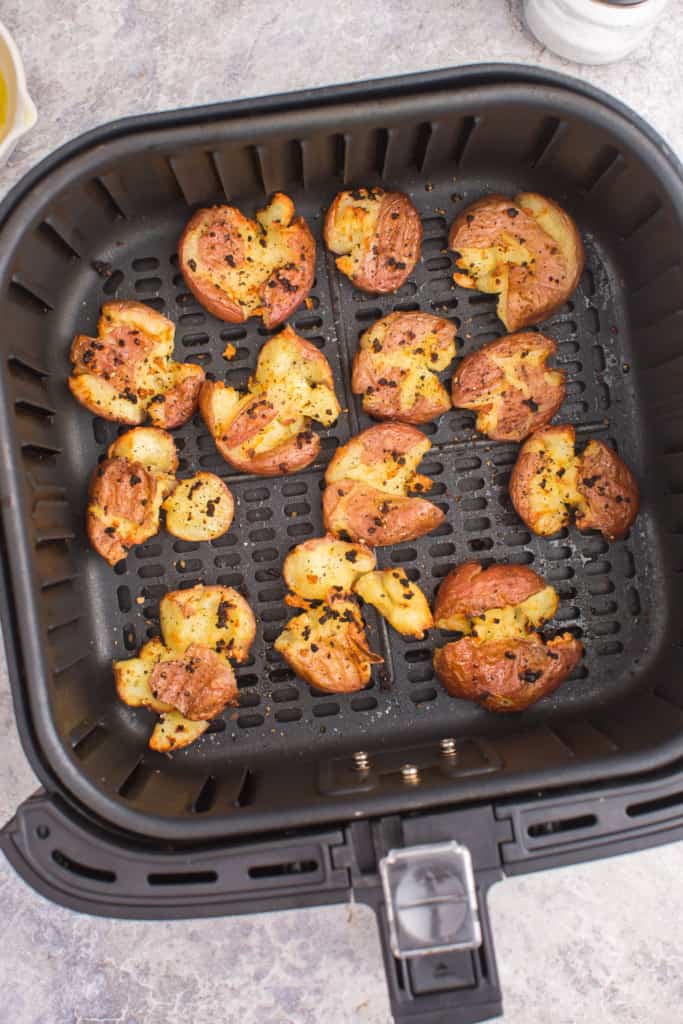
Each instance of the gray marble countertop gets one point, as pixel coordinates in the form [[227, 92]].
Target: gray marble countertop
[[599, 942]]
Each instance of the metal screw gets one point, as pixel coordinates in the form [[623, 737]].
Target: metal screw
[[361, 761], [411, 774], [448, 747]]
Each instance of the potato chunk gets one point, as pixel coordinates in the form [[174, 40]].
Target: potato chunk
[[396, 366], [200, 508], [377, 237], [267, 430], [400, 601], [509, 386], [239, 268], [322, 565], [526, 250], [127, 374]]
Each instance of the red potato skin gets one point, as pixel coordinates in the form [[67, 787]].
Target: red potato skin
[[506, 675], [281, 293], [113, 487], [610, 491], [179, 402], [394, 249], [362, 513], [198, 683], [471, 590], [478, 375], [535, 291], [381, 390], [116, 354], [290, 457]]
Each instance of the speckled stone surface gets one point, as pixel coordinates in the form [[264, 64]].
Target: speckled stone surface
[[594, 943]]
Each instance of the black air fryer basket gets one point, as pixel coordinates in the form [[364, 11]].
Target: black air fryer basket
[[297, 798]]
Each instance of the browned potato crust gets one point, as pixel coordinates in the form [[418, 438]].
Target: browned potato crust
[[550, 481], [396, 365], [368, 480], [217, 617], [123, 506], [198, 683], [506, 675], [470, 590], [327, 646], [377, 237], [239, 268], [127, 374], [267, 430], [509, 386], [502, 661], [527, 250]]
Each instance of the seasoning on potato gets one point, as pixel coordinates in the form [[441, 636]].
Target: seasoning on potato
[[396, 366], [267, 430], [186, 676], [526, 250], [127, 373], [509, 385], [369, 480], [239, 268], [325, 565], [376, 236], [127, 490], [400, 601], [326, 645], [200, 508], [550, 481], [502, 661]]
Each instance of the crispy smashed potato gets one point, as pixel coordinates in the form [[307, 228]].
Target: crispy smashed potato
[[550, 481], [153, 447], [509, 386], [377, 237], [501, 662], [396, 366], [526, 250], [217, 617], [368, 481], [127, 490], [400, 601], [238, 268], [324, 565], [200, 508], [186, 677], [267, 430], [327, 646], [127, 374]]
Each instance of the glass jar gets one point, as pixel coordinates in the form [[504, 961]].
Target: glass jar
[[592, 31]]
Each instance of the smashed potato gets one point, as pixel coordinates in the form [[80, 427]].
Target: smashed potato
[[550, 481], [526, 250], [501, 662], [217, 617], [186, 676], [200, 508], [327, 646], [377, 237], [368, 480], [239, 268], [400, 601], [322, 565], [509, 386], [127, 490], [127, 374], [396, 366], [267, 430]]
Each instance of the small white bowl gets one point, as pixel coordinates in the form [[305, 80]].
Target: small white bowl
[[21, 112]]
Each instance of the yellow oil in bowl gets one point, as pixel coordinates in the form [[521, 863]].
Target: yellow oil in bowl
[[3, 106]]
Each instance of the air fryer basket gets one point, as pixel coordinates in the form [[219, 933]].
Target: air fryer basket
[[102, 218]]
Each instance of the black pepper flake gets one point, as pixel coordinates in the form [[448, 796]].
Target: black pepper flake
[[314, 647], [230, 260], [306, 632], [530, 676], [532, 405], [223, 614], [192, 264], [560, 473], [87, 356], [512, 212], [510, 656], [135, 480], [376, 345], [211, 508], [590, 481], [130, 396], [351, 556], [110, 530]]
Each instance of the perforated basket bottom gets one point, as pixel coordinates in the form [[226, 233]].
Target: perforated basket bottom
[[601, 585]]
